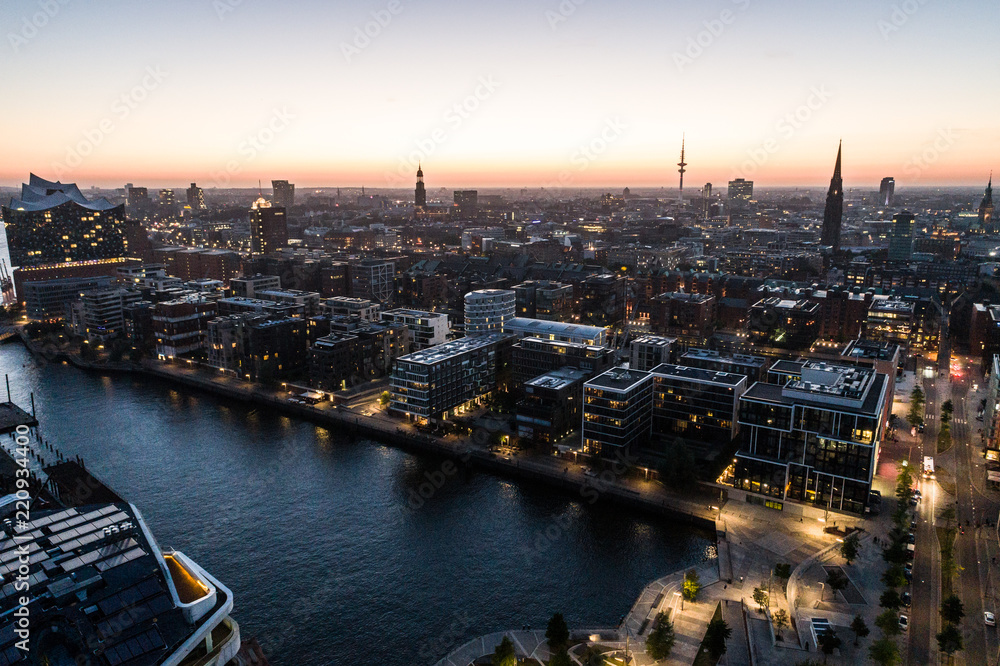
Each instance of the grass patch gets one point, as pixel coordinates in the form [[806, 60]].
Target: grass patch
[[946, 537], [704, 657]]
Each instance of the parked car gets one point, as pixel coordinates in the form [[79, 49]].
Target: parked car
[[905, 596], [912, 538], [989, 619], [904, 623]]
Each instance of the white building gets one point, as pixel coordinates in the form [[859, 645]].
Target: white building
[[487, 310], [555, 330], [427, 329], [345, 306]]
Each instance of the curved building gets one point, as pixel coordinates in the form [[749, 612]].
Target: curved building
[[487, 310]]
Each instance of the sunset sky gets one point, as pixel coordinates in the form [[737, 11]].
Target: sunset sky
[[584, 93]]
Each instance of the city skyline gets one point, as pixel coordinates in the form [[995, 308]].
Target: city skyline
[[550, 95]]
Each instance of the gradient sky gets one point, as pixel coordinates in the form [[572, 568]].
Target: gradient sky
[[894, 86]]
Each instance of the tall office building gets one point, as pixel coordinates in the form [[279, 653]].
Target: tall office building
[[901, 241], [986, 209], [740, 193], [196, 197], [487, 310], [283, 193], [834, 214], [268, 228], [136, 199], [467, 202], [887, 191], [420, 194], [53, 223]]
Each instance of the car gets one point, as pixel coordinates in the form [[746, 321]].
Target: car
[[904, 623], [908, 575], [912, 538], [908, 567], [913, 522], [905, 597], [913, 501], [917, 494], [920, 428], [989, 619]]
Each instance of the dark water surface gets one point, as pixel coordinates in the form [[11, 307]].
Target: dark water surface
[[315, 533]]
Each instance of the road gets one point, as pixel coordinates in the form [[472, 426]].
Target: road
[[977, 506]]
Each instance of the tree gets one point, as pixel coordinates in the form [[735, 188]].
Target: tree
[[557, 633], [661, 639], [952, 610], [593, 657], [836, 581], [781, 619], [828, 642], [890, 599], [950, 640], [384, 398], [888, 623], [560, 658], [716, 636], [948, 407], [692, 585], [505, 655], [894, 576], [760, 597], [859, 628], [884, 652], [851, 547]]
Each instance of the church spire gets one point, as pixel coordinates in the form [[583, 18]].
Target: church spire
[[834, 213]]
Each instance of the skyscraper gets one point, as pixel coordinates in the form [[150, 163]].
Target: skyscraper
[[986, 209], [886, 191], [834, 214], [283, 193], [901, 241], [420, 196], [740, 193], [268, 228], [196, 197]]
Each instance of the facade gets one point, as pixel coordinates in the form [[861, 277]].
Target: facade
[[740, 193], [687, 317], [815, 439], [247, 287], [343, 306], [268, 228], [439, 382], [427, 329], [544, 299], [901, 241], [834, 213], [102, 313], [275, 349], [985, 210], [603, 300], [696, 405], [358, 352], [891, 319], [420, 192], [181, 326], [196, 198], [617, 412], [421, 289], [785, 323], [754, 368], [556, 330], [283, 193], [887, 192], [235, 305], [531, 356], [373, 279], [48, 300], [53, 223], [488, 310], [307, 300], [467, 203], [649, 351], [551, 407], [227, 339]]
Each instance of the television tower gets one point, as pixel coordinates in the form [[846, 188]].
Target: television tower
[[681, 171]]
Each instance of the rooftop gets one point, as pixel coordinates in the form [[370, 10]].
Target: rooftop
[[619, 379], [736, 359], [557, 379], [442, 352], [698, 375], [422, 314], [544, 327], [828, 385], [654, 340], [529, 342]]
